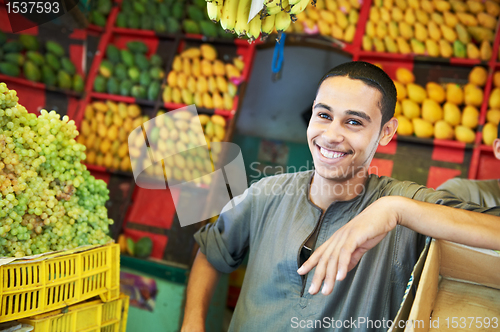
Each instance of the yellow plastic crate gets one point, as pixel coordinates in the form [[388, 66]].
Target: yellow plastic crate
[[91, 316], [32, 288]]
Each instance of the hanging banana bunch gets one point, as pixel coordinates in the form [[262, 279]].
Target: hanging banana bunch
[[275, 15]]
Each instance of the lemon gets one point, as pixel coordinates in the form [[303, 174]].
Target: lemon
[[473, 95], [404, 76], [454, 94], [493, 116], [431, 111], [452, 114], [470, 117], [443, 130], [489, 133], [401, 90], [410, 109], [464, 134], [416, 93], [435, 92], [478, 76], [423, 128], [405, 127]]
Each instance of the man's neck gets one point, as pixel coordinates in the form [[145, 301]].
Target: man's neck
[[324, 192]]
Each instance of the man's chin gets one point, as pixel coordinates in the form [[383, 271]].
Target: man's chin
[[337, 174]]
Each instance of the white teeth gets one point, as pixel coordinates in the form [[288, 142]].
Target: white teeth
[[331, 154]]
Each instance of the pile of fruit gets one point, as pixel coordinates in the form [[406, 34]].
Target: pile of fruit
[[105, 130], [52, 67], [330, 18], [140, 249], [437, 28], [176, 134], [199, 77], [490, 129], [443, 112], [49, 201], [99, 12], [129, 72], [168, 16]]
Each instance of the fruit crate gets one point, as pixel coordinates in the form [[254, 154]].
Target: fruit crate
[[29, 288], [90, 316]]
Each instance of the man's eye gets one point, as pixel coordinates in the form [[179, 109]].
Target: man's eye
[[354, 122], [324, 116]]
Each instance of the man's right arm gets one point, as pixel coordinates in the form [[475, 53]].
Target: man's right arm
[[202, 282]]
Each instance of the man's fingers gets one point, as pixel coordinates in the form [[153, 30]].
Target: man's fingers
[[312, 261], [319, 273], [345, 256]]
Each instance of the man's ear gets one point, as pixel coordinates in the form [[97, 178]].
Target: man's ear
[[388, 131], [496, 148]]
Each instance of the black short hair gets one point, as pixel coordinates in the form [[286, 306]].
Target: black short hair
[[372, 76]]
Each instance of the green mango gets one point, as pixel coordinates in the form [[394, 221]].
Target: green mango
[[178, 10], [146, 22], [127, 7], [49, 78], [126, 87], [78, 84], [113, 53], [127, 58], [138, 92], [141, 61], [15, 58], [156, 73], [13, 47], [159, 24], [191, 26], [120, 71], [54, 48], [195, 13], [208, 29], [143, 247], [121, 20], [459, 49], [137, 47], [29, 42], [9, 69], [68, 66], [133, 21], [36, 57], [98, 19], [100, 83], [139, 8], [32, 72], [106, 68], [200, 3], [63, 80], [173, 26], [154, 90], [164, 10], [156, 60], [134, 74], [3, 38], [151, 8], [104, 6], [145, 79], [52, 61], [113, 86]]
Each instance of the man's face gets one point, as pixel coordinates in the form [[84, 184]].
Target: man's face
[[344, 129]]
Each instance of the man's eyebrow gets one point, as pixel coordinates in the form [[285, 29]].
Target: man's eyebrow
[[321, 105], [362, 115]]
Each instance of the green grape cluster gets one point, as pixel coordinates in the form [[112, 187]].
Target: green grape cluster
[[48, 199]]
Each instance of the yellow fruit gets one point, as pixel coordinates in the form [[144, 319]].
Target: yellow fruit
[[349, 33], [492, 8], [385, 15], [489, 133], [485, 51], [374, 14], [494, 101], [493, 116], [435, 92], [198, 99], [401, 90], [452, 114], [228, 101], [478, 76], [100, 106], [181, 80], [112, 133], [208, 52], [167, 94], [324, 28], [338, 33], [410, 109], [207, 100], [196, 67], [312, 13], [403, 46], [390, 45], [464, 134], [212, 84], [450, 19], [417, 46], [186, 96], [176, 95], [443, 130], [218, 120], [326, 16], [89, 112], [191, 53], [191, 84], [470, 117], [415, 4], [422, 128], [475, 7], [448, 33], [431, 111], [202, 85], [416, 93], [473, 95], [218, 68], [177, 64], [206, 68], [405, 127], [405, 76], [90, 157], [445, 49], [381, 29], [427, 5], [367, 43], [232, 71], [105, 145], [473, 51], [370, 29], [219, 132], [410, 16], [422, 16], [454, 94], [442, 5], [217, 100], [398, 110], [393, 30], [434, 31], [420, 32], [238, 63], [341, 19], [397, 14], [438, 18]]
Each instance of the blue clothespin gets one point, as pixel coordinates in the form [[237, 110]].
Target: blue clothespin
[[278, 57]]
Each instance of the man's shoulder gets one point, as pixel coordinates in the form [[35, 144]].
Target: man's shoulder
[[457, 183], [283, 180]]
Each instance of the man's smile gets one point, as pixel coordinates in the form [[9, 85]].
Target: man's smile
[[331, 154]]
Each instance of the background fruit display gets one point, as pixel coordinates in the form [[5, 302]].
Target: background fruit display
[[99, 12], [49, 64], [105, 129], [437, 28], [176, 135], [443, 111], [49, 200], [198, 76], [130, 72], [490, 129], [329, 18]]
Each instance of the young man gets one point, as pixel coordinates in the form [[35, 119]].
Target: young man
[[485, 193], [365, 232]]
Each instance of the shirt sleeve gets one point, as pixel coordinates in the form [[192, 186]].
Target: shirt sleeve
[[225, 242], [457, 187]]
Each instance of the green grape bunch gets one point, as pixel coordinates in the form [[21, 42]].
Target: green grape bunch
[[48, 199]]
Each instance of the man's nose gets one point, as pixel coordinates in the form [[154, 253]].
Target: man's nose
[[334, 133]]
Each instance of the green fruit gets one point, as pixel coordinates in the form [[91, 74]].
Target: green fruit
[[143, 247], [178, 10], [54, 48], [121, 20], [208, 29], [98, 19], [164, 10], [151, 9], [15, 58], [156, 60], [48, 76], [127, 58], [139, 7], [137, 47], [68, 66], [141, 61], [13, 47], [173, 25], [459, 49], [191, 26], [145, 79], [106, 68], [52, 61], [104, 6], [127, 7], [9, 69], [63, 79], [154, 90], [78, 84], [29, 42], [133, 21], [121, 71], [146, 22], [125, 87], [36, 57], [156, 73], [154, 135], [134, 74], [138, 92], [200, 3], [195, 13], [32, 72], [100, 83], [113, 53], [159, 24], [113, 86], [130, 246], [3, 38]]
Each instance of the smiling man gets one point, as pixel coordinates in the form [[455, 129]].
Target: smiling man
[[339, 230]]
